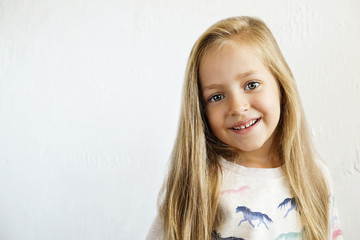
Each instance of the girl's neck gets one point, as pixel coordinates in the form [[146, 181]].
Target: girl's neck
[[265, 157]]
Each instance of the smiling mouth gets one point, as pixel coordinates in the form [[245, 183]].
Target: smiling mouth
[[247, 125]]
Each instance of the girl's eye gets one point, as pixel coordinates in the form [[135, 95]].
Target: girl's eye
[[251, 85], [216, 98]]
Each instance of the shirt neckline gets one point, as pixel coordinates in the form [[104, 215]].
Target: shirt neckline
[[252, 172]]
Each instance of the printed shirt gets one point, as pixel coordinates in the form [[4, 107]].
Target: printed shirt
[[256, 203]]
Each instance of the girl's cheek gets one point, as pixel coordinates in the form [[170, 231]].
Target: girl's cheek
[[214, 116]]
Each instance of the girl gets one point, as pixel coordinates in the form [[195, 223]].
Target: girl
[[243, 165]]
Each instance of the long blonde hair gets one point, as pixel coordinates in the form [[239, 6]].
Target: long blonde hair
[[188, 202]]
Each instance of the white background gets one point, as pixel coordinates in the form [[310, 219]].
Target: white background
[[90, 97]]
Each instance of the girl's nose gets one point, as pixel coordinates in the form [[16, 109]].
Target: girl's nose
[[238, 105]]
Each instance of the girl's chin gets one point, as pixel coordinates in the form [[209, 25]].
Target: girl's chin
[[249, 149]]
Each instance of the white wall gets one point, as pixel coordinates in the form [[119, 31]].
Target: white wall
[[90, 97]]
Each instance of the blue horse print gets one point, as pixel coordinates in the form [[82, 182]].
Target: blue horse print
[[217, 236], [285, 203], [249, 216]]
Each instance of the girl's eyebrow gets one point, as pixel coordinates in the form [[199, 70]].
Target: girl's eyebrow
[[212, 86], [239, 76], [245, 74]]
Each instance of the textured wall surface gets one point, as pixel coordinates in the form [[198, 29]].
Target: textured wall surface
[[90, 97]]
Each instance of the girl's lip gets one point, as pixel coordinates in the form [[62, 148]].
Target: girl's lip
[[245, 130]]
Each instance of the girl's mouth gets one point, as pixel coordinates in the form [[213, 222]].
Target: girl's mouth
[[251, 122], [246, 126]]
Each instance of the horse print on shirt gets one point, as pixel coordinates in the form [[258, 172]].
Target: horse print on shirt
[[249, 216], [285, 203]]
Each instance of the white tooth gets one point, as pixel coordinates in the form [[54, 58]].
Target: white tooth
[[247, 125], [242, 127]]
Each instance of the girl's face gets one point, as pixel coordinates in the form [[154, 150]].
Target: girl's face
[[242, 98]]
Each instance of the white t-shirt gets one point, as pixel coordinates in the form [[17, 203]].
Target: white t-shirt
[[257, 204]]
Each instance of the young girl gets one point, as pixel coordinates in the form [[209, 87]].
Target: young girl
[[243, 165]]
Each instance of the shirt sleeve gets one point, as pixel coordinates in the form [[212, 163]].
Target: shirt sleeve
[[156, 231], [335, 227]]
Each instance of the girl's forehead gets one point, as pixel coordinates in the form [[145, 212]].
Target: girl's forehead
[[232, 62], [241, 57], [216, 50]]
